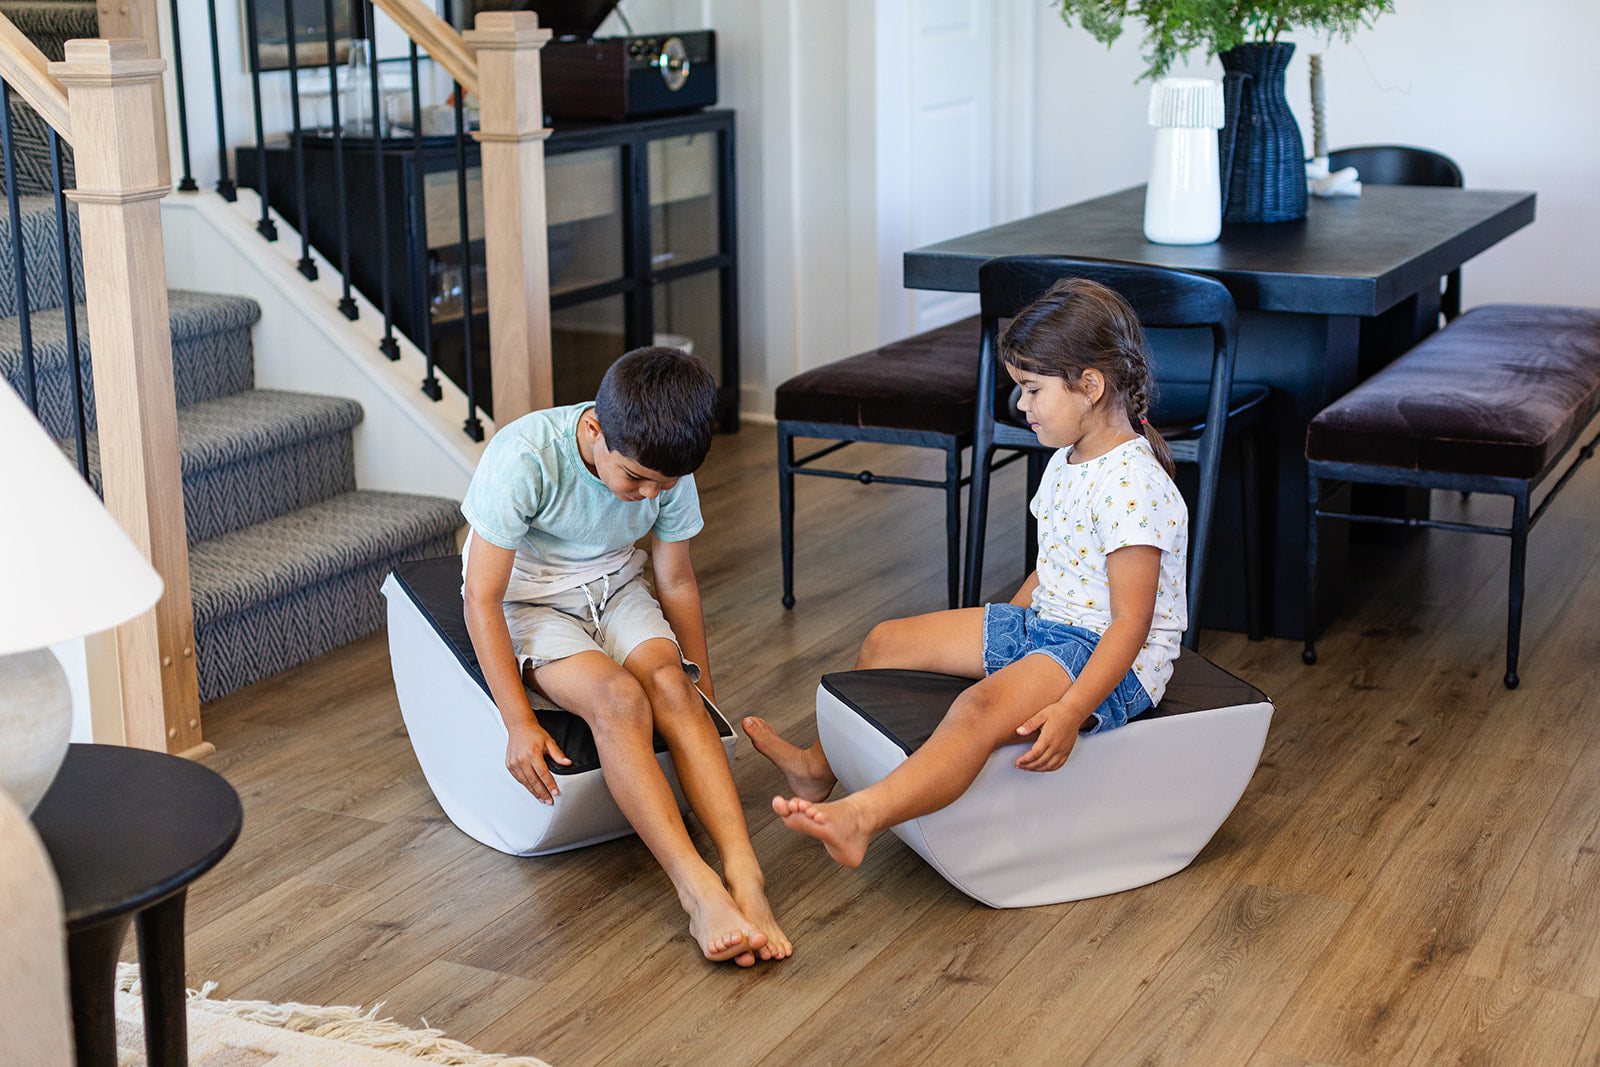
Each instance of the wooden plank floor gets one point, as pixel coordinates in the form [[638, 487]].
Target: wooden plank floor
[[1413, 875]]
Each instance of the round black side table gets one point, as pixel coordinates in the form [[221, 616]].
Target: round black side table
[[127, 831]]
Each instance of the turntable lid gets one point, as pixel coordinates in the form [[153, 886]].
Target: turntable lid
[[571, 18]]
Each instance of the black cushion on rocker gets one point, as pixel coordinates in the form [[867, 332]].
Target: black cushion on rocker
[[927, 383], [434, 586], [905, 706]]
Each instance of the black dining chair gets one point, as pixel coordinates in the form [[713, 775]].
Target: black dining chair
[[1398, 164], [1194, 417]]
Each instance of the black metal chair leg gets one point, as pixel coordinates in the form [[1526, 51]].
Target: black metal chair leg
[[786, 512], [977, 522], [1254, 581], [1200, 546], [1309, 655], [952, 523], [1030, 525], [1519, 559]]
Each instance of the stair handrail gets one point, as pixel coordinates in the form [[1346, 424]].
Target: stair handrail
[[25, 69], [436, 37]]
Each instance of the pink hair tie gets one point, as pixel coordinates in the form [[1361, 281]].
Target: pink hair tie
[[1143, 421]]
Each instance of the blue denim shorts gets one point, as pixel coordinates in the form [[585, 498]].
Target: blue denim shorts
[[1010, 632]]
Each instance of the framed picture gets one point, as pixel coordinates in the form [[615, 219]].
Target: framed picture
[[310, 32]]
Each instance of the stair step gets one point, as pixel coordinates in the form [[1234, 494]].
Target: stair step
[[277, 593], [211, 354], [50, 24], [41, 248], [256, 455]]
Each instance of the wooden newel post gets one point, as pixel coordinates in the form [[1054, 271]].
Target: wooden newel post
[[120, 186], [511, 133]]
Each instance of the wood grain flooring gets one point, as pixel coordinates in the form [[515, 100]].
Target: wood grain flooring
[[1413, 875]]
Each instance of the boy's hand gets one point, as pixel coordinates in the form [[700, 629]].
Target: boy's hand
[[1057, 726], [526, 749]]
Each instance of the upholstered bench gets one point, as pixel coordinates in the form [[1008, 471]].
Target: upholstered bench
[[919, 391], [1492, 403], [460, 739], [1130, 806]]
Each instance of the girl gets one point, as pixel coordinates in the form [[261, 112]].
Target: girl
[[1089, 640]]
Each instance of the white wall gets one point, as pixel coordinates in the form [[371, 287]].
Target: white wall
[[1513, 97]]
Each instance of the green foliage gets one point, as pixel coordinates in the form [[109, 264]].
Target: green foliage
[[1173, 28]]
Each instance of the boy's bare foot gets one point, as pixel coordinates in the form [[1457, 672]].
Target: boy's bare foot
[[750, 893], [721, 929], [810, 777], [836, 825]]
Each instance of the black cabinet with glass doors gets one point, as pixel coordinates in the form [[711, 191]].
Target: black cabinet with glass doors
[[640, 219]]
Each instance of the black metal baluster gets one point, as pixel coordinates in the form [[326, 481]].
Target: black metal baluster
[[30, 391], [264, 226], [473, 425], [347, 303], [388, 346], [187, 183], [69, 302], [307, 265], [422, 314], [225, 187]]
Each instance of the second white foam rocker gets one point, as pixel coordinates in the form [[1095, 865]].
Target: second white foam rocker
[[1130, 806]]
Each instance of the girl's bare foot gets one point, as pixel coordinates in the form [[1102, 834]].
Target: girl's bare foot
[[838, 826], [750, 893], [721, 929], [810, 777]]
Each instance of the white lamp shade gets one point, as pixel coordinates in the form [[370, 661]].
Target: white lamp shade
[[66, 568]]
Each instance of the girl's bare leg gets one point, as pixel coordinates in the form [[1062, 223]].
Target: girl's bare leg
[[981, 720], [707, 783], [614, 705], [948, 642]]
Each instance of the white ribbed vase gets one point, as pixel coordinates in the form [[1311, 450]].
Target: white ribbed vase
[[1183, 202]]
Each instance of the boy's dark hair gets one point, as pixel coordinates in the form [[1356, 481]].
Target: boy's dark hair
[[656, 406]]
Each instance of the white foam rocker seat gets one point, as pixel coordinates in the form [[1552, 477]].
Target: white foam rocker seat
[[1130, 806], [460, 739]]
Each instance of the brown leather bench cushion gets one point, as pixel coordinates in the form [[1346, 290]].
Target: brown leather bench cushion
[[1501, 391], [927, 382]]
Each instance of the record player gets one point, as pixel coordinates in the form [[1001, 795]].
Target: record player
[[620, 77]]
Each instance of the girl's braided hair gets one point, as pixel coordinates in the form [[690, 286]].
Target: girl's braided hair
[[1078, 325]]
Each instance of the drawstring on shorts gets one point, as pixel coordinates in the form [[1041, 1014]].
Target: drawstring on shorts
[[594, 607]]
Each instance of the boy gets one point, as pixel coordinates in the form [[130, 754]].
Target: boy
[[555, 596]]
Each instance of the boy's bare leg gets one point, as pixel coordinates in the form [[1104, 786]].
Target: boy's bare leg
[[949, 642], [707, 782], [614, 705], [981, 720]]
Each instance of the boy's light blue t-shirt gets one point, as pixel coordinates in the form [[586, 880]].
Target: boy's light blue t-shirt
[[532, 492]]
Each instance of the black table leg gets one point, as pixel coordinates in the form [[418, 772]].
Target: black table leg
[[166, 1034], [92, 971]]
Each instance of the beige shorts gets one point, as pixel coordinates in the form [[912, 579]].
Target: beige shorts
[[613, 614]]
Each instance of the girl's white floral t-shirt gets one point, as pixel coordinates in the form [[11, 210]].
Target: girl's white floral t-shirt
[[1088, 510]]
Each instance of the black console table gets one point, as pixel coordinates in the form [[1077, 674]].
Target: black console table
[[127, 830], [641, 231]]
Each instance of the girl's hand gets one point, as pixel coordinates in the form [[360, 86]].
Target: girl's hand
[[1057, 727], [526, 749]]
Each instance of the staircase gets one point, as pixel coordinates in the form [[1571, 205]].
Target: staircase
[[285, 553]]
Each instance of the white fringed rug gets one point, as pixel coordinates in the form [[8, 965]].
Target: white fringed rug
[[258, 1033]]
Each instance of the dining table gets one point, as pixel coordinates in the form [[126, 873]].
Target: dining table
[[1324, 302]]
